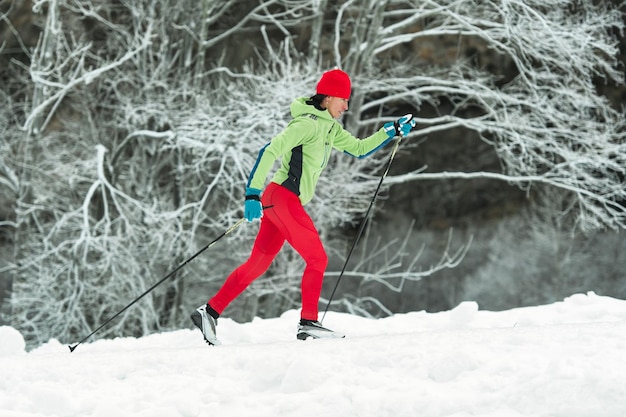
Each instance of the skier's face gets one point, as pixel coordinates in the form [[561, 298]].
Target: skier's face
[[336, 106]]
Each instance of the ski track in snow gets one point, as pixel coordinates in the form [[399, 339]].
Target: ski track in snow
[[563, 360]]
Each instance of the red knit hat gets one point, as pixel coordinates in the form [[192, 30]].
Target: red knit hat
[[335, 83]]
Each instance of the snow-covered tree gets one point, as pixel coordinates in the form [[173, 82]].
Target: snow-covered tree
[[143, 119]]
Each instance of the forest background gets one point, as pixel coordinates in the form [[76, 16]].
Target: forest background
[[128, 129]]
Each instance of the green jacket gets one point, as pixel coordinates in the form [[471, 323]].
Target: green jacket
[[305, 146]]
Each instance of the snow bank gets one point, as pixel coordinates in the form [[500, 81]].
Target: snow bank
[[12, 342], [559, 360]]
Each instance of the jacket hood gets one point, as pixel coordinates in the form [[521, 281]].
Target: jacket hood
[[299, 107]]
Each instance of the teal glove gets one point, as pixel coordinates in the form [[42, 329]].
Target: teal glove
[[401, 127], [252, 209]]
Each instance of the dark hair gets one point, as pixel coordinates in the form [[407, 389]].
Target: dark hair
[[316, 101]]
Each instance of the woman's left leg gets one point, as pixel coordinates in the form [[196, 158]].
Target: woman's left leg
[[266, 246]]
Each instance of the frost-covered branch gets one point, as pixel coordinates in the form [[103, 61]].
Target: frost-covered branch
[[548, 124], [175, 98], [392, 265]]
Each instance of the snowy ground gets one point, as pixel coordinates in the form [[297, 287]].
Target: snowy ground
[[562, 360]]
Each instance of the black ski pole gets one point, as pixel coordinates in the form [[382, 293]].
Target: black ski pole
[[229, 230], [364, 221]]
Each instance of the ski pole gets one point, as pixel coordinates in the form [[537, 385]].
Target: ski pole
[[229, 230], [364, 221]]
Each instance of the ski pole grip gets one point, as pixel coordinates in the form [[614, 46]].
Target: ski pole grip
[[407, 118]]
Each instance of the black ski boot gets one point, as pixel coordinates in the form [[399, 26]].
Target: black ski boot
[[315, 330]]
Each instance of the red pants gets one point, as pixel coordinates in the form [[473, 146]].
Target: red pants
[[283, 219]]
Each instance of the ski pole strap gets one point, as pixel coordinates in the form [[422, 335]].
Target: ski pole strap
[[396, 126]]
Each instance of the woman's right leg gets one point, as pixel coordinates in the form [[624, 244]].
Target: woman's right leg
[[294, 223]]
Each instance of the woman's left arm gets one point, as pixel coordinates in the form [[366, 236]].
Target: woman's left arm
[[361, 148]]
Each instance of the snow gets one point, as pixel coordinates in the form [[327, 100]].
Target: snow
[[564, 359]]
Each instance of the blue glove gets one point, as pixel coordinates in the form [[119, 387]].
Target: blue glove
[[252, 208], [401, 127]]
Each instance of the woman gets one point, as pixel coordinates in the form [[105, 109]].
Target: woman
[[304, 147]]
